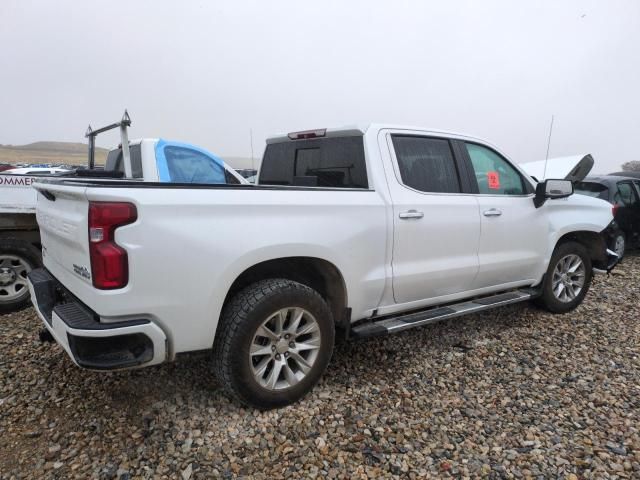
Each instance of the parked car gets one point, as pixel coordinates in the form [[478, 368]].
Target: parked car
[[574, 168], [626, 174], [623, 194], [35, 171], [357, 232]]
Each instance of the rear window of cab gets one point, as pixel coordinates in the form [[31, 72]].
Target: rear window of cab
[[332, 162]]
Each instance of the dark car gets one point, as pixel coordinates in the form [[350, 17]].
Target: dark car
[[626, 174], [624, 194]]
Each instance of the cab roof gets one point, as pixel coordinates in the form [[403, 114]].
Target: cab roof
[[362, 129]]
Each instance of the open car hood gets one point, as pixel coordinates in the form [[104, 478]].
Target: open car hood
[[573, 168]]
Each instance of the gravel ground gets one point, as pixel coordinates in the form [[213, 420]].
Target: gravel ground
[[513, 393]]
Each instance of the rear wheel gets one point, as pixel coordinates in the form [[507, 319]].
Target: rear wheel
[[17, 259], [274, 341], [568, 278]]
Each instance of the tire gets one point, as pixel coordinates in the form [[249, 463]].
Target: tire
[[17, 258], [565, 297], [619, 244], [250, 345]]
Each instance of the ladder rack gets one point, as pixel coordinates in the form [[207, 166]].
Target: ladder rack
[[124, 141]]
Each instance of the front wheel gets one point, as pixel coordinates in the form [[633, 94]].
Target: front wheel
[[568, 278], [274, 342]]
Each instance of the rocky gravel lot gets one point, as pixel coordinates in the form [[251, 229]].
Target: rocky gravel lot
[[513, 393]]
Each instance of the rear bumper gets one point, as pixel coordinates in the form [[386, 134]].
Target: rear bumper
[[92, 343]]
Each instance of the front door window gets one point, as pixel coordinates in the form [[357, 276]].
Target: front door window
[[495, 176]]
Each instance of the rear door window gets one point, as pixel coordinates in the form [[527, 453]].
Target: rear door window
[[336, 162], [426, 164], [592, 189]]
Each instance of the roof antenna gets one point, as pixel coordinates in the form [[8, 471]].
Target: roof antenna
[[544, 174]]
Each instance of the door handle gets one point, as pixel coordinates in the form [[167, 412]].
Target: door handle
[[411, 214], [492, 212]]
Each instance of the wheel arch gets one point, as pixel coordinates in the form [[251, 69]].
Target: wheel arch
[[593, 242], [321, 275], [30, 237]]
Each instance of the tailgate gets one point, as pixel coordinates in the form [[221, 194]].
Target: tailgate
[[62, 212]]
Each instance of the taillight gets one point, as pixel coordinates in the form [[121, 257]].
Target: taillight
[[614, 209], [109, 262]]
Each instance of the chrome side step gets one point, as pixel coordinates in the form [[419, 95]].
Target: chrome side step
[[386, 325]]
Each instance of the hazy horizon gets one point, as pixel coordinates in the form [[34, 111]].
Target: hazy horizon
[[207, 73]]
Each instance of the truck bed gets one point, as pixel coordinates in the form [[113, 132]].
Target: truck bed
[[217, 232]]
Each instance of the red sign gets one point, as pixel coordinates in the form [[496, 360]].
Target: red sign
[[493, 179]]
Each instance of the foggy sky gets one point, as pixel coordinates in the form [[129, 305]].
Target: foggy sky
[[206, 72]]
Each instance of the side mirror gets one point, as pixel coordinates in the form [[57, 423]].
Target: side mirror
[[550, 189]]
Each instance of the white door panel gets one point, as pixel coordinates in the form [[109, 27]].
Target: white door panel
[[437, 254], [513, 233], [435, 235], [513, 236]]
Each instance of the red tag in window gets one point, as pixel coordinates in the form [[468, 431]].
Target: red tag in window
[[493, 180]]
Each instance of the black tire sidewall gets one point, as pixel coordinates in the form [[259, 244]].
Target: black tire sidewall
[[30, 255], [548, 299], [246, 386]]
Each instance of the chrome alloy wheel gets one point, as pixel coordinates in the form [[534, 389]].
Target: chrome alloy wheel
[[568, 278], [285, 348], [13, 277]]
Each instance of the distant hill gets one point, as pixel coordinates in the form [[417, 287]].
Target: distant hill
[[50, 152]]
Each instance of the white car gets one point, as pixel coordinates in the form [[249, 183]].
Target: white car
[[352, 231], [35, 171]]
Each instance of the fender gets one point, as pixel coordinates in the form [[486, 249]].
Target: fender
[[255, 257], [577, 213]]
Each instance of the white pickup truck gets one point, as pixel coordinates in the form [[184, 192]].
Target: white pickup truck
[[360, 232], [19, 236]]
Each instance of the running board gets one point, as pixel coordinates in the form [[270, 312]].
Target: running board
[[395, 324]]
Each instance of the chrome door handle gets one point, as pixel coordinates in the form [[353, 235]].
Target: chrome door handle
[[492, 212], [411, 214]]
